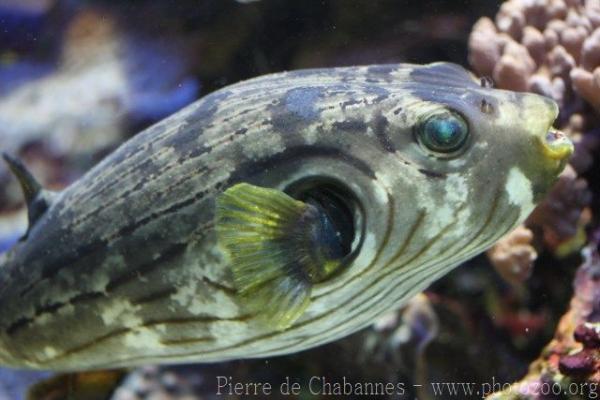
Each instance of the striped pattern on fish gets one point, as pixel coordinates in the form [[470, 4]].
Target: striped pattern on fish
[[125, 267]]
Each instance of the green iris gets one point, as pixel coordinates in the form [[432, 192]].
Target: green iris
[[444, 133]]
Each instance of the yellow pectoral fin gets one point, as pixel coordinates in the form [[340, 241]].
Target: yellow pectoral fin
[[268, 236]]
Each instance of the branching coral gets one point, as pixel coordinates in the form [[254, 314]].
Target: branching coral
[[551, 47], [545, 46]]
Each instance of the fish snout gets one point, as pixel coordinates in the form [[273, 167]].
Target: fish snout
[[539, 114], [556, 145]]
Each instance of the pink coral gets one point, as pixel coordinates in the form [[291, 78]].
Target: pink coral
[[551, 47], [513, 255], [547, 46]]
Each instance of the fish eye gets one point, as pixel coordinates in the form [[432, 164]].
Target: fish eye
[[443, 133]]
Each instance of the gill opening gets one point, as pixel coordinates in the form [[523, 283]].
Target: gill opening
[[340, 208]]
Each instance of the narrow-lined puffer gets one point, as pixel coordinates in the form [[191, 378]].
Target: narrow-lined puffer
[[272, 216]]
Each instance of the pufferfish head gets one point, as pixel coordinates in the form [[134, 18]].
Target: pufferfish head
[[435, 169], [460, 126], [488, 155]]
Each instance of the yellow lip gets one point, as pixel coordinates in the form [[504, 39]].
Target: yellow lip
[[556, 145], [539, 113]]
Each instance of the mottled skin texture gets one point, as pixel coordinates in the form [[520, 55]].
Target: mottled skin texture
[[124, 268]]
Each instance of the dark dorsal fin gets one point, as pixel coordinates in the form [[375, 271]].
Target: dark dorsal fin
[[38, 200]]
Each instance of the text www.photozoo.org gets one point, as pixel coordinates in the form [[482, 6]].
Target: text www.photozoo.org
[[323, 386]]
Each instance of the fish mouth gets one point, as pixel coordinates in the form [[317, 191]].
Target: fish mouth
[[556, 147]]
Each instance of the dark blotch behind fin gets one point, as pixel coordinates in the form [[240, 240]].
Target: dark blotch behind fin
[[273, 242], [38, 200]]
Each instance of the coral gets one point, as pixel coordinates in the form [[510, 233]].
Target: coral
[[540, 46], [560, 218], [513, 255], [558, 223], [550, 47], [571, 361]]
